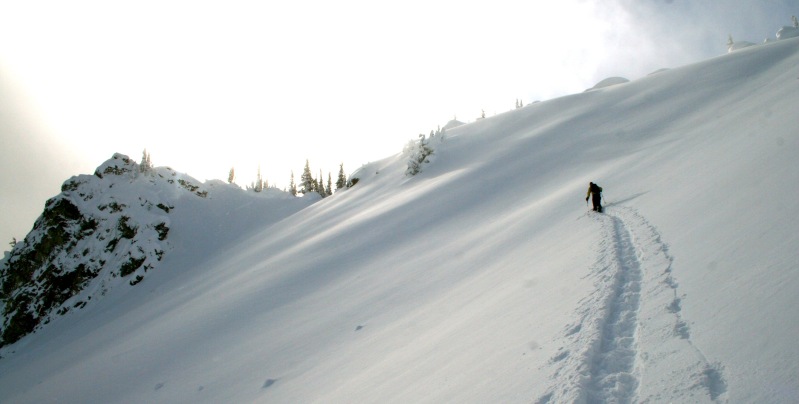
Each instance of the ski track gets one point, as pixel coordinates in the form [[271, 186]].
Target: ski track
[[635, 304]]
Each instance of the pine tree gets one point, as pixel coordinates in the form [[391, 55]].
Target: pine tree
[[259, 181], [292, 185], [341, 182], [231, 177], [329, 189], [306, 180], [730, 42], [320, 185], [795, 21]]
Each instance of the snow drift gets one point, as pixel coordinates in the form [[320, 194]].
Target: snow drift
[[483, 278]]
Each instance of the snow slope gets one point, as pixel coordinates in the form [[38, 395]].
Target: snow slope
[[484, 278]]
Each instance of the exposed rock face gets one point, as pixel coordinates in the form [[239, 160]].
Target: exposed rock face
[[101, 231]]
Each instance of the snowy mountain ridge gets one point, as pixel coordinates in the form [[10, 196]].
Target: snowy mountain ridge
[[484, 277], [101, 231]]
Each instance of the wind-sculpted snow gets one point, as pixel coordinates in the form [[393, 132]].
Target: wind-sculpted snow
[[635, 304]]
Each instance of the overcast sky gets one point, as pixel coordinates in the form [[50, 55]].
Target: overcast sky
[[205, 86]]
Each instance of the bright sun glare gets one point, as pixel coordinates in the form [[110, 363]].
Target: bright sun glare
[[206, 88]]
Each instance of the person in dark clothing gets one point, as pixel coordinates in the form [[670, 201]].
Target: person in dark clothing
[[595, 193]]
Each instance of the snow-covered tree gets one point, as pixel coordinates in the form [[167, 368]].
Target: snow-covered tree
[[260, 184], [146, 165], [795, 21], [417, 155], [320, 185], [341, 182], [329, 188], [231, 177], [292, 185], [306, 180]]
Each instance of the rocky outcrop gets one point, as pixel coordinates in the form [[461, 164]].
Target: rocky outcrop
[[101, 231]]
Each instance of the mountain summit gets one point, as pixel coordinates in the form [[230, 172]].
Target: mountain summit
[[101, 231]]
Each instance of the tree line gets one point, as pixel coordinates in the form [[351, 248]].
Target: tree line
[[308, 183]]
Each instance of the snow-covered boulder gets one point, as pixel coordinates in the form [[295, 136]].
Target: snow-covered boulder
[[739, 45], [452, 124], [119, 164], [610, 81]]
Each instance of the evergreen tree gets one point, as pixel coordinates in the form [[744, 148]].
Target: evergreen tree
[[306, 180], [417, 155], [341, 182], [259, 181], [795, 21], [320, 185], [231, 177], [292, 185], [730, 42], [329, 189]]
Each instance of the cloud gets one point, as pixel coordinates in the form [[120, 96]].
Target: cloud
[[32, 163]]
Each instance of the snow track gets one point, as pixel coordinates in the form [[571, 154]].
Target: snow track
[[629, 342]]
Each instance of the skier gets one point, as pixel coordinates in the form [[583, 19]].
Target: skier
[[595, 192]]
